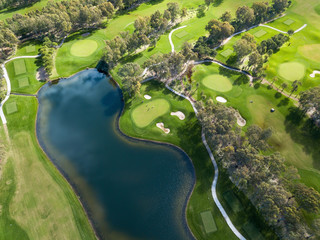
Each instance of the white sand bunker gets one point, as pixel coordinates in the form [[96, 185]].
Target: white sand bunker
[[179, 114], [161, 126], [221, 99], [240, 120], [147, 97], [314, 73]]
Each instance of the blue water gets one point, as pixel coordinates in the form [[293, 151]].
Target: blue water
[[132, 189]]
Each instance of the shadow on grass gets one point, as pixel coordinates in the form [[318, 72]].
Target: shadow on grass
[[303, 131]]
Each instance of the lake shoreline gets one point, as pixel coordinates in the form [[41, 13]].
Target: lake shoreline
[[76, 191]]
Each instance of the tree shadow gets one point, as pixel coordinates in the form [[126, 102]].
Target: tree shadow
[[277, 95], [283, 102], [217, 3], [242, 79]]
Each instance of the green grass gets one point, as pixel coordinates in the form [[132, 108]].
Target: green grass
[[181, 34], [252, 231], [30, 49], [292, 71], [260, 33], [11, 108], [233, 201], [19, 66], [83, 48], [146, 113], [40, 203], [317, 9], [311, 52], [23, 82], [226, 53], [18, 82], [208, 222], [217, 82], [288, 22]]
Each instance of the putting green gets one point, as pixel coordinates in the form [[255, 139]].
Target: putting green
[[145, 113], [292, 71], [311, 51], [217, 82], [83, 48]]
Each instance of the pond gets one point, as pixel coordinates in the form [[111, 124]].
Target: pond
[[131, 189]]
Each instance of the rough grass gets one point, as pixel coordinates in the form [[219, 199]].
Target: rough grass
[[217, 82], [19, 66], [233, 201], [292, 71], [208, 222], [83, 48], [149, 111], [43, 204], [317, 9], [252, 231]]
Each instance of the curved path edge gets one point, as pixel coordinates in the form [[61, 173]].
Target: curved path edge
[[216, 173], [170, 36]]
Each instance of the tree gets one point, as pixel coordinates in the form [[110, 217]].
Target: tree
[[208, 2], [245, 17], [280, 5], [226, 17], [284, 86], [203, 50], [260, 11], [201, 11], [174, 10], [294, 86], [310, 101], [245, 45], [184, 12], [131, 74], [219, 30], [187, 52], [308, 198]]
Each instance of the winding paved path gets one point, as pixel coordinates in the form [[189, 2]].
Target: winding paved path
[[6, 77], [216, 173], [170, 37]]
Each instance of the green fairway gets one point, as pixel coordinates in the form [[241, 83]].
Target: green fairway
[[288, 22], [260, 33], [317, 9], [19, 67], [41, 202], [23, 82], [182, 34], [217, 82], [292, 71], [26, 82], [226, 53], [208, 222], [147, 112], [11, 107], [83, 48], [311, 52]]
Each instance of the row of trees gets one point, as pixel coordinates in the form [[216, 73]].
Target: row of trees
[[60, 18], [16, 3], [310, 102], [47, 51], [147, 31], [271, 186], [8, 42]]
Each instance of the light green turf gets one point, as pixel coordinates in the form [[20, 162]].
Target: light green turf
[[11, 107], [292, 71], [260, 33], [311, 52], [147, 112], [23, 82], [217, 82], [83, 48], [226, 53], [31, 70], [208, 222], [317, 9], [288, 22], [30, 49], [19, 67], [233, 201]]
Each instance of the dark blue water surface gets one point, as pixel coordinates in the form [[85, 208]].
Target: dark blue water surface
[[132, 189]]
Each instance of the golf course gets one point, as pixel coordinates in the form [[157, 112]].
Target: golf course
[[143, 121]]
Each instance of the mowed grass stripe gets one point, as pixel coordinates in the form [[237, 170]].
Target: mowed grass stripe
[[147, 112], [208, 222], [19, 66]]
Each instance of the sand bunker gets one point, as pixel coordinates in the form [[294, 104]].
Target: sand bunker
[[314, 73], [240, 120], [221, 99], [147, 97], [179, 114], [161, 126]]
